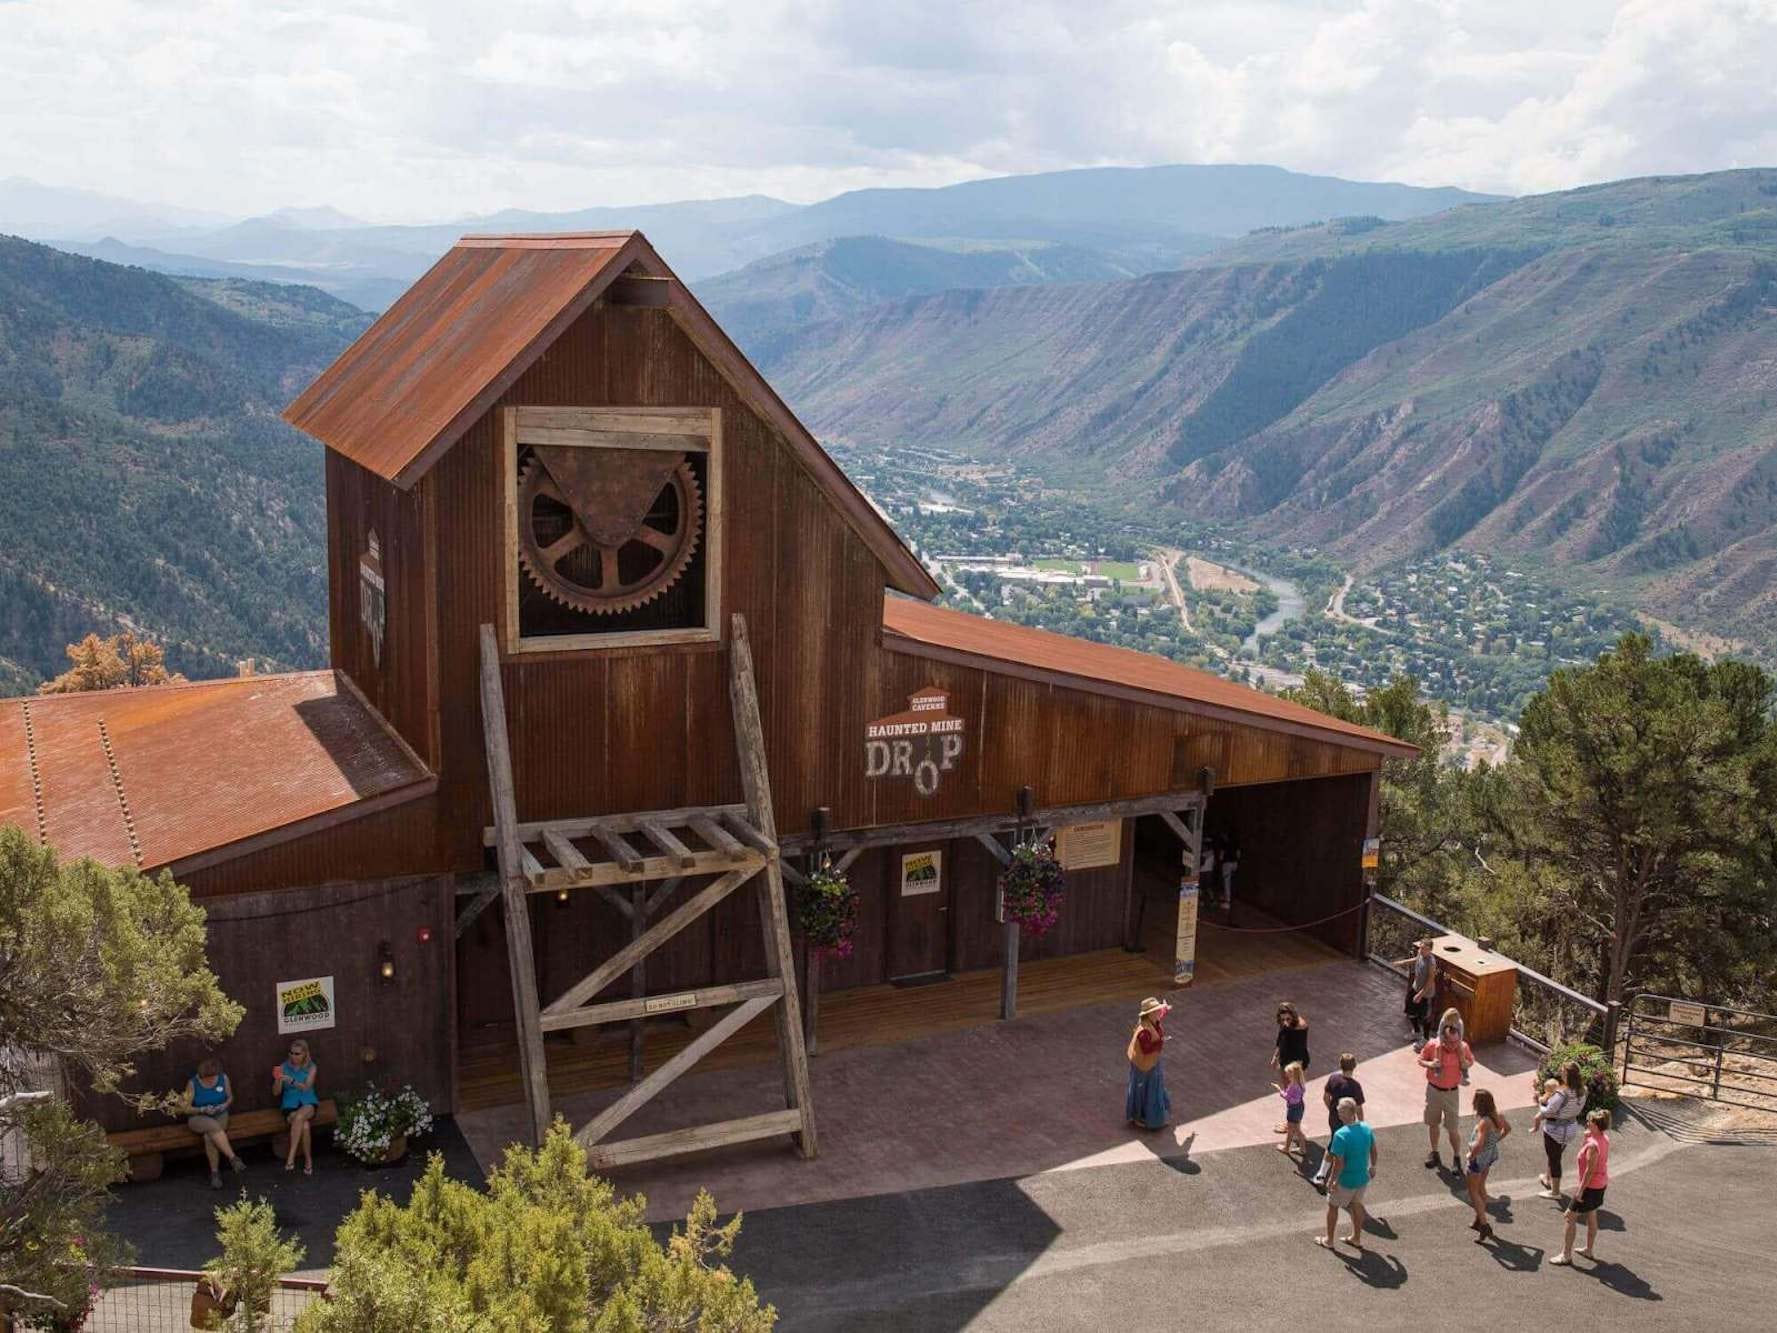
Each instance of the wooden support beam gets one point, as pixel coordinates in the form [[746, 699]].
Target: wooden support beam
[[582, 828], [566, 855], [660, 895], [550, 878], [617, 849], [614, 895], [717, 837], [645, 1091], [665, 839], [482, 890], [843, 864], [1177, 825], [774, 920], [530, 867], [650, 939], [673, 1002], [794, 875], [719, 1135], [995, 848], [532, 1064], [638, 979], [939, 830], [740, 828]]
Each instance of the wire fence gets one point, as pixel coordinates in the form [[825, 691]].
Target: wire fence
[[1545, 1014], [159, 1300]]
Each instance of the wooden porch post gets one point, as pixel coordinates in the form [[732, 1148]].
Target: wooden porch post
[[1372, 829], [638, 977], [513, 890], [780, 960], [1009, 963]]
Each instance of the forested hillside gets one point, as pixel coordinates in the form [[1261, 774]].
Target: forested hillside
[[1585, 381], [145, 479]]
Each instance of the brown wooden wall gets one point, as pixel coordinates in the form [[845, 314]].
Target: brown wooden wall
[[601, 731], [403, 684], [259, 939]]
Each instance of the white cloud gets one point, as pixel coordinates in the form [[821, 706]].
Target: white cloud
[[410, 110]]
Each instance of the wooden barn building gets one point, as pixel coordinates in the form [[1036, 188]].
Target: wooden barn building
[[616, 649]]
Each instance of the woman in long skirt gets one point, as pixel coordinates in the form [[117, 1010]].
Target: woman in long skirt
[[1147, 1105]]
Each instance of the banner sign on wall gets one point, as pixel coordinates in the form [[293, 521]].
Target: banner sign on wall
[[921, 744], [1184, 953], [306, 1005], [921, 873], [1184, 964], [1085, 846], [1372, 852]]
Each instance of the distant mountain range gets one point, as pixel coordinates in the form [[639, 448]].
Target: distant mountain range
[[1136, 219], [1586, 381], [145, 478]]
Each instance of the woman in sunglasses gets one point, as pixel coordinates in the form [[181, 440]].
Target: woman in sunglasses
[[293, 1083], [1292, 1044]]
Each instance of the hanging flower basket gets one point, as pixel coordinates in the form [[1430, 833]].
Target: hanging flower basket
[[375, 1127], [827, 911], [1031, 887]]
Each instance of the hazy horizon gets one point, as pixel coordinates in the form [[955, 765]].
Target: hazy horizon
[[406, 113]]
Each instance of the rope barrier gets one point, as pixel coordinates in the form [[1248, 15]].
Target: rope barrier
[[1277, 930]]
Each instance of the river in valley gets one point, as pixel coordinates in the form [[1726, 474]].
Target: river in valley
[[1290, 606]]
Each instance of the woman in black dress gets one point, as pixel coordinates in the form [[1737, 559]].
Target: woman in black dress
[[1292, 1043]]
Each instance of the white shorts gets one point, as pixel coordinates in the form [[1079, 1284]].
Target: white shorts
[[1340, 1197]]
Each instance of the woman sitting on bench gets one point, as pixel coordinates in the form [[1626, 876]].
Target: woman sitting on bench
[[294, 1084], [208, 1097]]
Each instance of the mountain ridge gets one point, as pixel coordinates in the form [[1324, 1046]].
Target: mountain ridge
[[1581, 380]]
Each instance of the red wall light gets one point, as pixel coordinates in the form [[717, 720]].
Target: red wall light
[[425, 934]]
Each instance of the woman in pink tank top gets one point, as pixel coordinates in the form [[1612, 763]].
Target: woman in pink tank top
[[1594, 1173]]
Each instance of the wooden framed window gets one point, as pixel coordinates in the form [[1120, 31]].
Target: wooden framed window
[[613, 526]]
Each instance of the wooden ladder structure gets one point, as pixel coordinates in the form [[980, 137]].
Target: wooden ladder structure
[[730, 845]]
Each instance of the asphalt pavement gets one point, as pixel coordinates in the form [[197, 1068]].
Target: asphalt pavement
[[1225, 1240]]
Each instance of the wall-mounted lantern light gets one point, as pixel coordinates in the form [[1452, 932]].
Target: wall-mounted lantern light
[[385, 962]]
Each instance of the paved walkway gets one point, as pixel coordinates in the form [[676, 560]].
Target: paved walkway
[[1224, 1240], [1040, 1094]]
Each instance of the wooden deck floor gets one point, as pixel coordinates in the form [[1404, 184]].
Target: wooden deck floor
[[887, 1015]]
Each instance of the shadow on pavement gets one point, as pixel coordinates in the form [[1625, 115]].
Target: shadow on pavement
[[1624, 1281], [1383, 1271]]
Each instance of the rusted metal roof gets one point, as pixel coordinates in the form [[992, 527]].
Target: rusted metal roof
[[157, 776], [1102, 668], [442, 355], [422, 374]]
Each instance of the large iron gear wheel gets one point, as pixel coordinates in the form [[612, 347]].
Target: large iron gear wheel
[[570, 568]]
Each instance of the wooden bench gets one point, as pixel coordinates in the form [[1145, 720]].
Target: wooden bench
[[147, 1148]]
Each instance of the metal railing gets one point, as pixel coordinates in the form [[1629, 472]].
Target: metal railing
[[1702, 1050], [158, 1300], [1545, 1013]]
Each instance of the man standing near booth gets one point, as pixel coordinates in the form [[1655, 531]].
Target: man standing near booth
[[1445, 1062]]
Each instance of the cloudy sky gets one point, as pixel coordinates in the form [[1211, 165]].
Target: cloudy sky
[[441, 108]]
